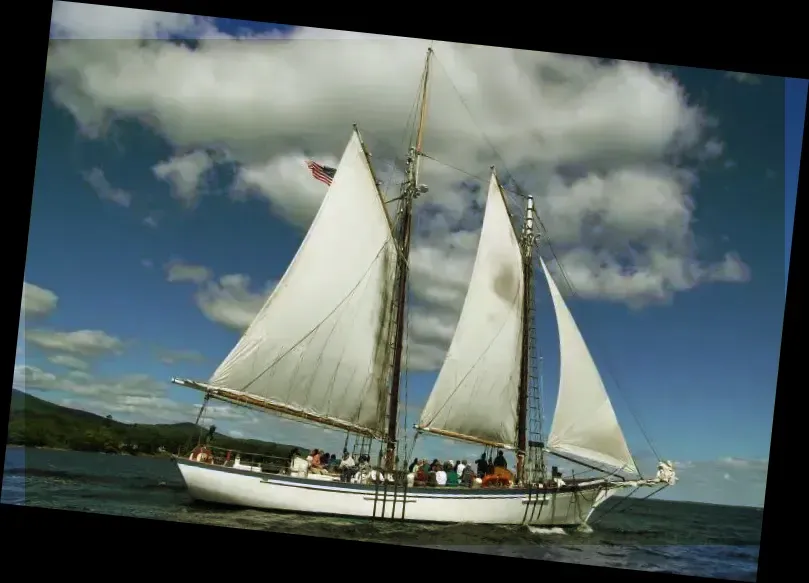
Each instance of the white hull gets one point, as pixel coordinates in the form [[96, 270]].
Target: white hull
[[563, 507]]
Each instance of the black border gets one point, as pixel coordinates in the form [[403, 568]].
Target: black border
[[99, 545]]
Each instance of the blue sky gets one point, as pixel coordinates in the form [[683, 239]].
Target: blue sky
[[136, 256], [794, 113]]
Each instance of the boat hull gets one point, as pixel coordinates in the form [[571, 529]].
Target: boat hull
[[250, 489]]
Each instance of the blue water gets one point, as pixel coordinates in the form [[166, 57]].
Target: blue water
[[676, 537]]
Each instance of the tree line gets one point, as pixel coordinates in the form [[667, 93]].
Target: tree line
[[35, 422]]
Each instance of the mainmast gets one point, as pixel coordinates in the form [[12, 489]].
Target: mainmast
[[410, 190], [522, 399]]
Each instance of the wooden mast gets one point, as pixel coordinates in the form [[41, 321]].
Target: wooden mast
[[522, 399], [410, 191]]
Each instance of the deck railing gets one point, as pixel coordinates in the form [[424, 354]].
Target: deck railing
[[232, 457]]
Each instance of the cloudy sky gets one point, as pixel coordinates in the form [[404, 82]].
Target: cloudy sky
[[171, 194]]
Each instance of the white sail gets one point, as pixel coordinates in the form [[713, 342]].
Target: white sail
[[475, 394], [584, 423], [320, 343]]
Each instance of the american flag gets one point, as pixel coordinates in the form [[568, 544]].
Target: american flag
[[322, 173]]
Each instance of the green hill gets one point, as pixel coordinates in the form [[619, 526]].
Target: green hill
[[35, 422]]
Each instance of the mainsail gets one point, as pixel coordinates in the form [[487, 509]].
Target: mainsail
[[475, 394], [584, 423], [319, 347]]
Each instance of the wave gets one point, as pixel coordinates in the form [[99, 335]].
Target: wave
[[127, 482]]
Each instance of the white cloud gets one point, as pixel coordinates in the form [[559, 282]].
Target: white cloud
[[91, 21], [142, 399], [611, 150], [179, 272], [185, 173], [734, 462], [711, 149], [281, 177], [627, 236], [37, 301], [230, 301], [105, 190], [83, 383], [175, 356], [80, 342], [25, 376], [747, 78], [731, 480], [151, 221], [69, 361]]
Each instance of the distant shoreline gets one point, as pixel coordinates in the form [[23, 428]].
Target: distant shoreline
[[41, 424]]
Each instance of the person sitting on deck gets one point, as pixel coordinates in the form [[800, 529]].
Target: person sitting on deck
[[483, 466], [314, 465], [422, 475], [452, 475], [500, 460], [414, 465], [467, 477], [460, 467], [362, 473], [334, 463], [440, 477], [346, 467]]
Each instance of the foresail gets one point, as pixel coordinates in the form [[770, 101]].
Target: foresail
[[320, 343], [584, 423], [475, 394]]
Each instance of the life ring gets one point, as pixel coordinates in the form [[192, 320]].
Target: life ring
[[202, 455]]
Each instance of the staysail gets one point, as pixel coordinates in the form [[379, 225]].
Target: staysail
[[475, 394], [584, 423], [319, 346]]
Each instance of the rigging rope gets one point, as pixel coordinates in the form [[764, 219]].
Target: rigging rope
[[544, 229], [628, 498], [607, 361]]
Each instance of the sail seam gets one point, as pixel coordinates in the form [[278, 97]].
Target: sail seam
[[317, 326], [319, 359], [476, 363]]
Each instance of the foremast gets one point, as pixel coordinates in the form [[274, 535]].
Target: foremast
[[410, 190]]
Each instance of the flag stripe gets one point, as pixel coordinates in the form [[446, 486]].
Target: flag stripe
[[323, 173]]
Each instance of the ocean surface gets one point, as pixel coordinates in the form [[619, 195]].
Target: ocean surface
[[676, 537]]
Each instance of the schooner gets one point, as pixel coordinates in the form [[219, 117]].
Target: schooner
[[327, 348]]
